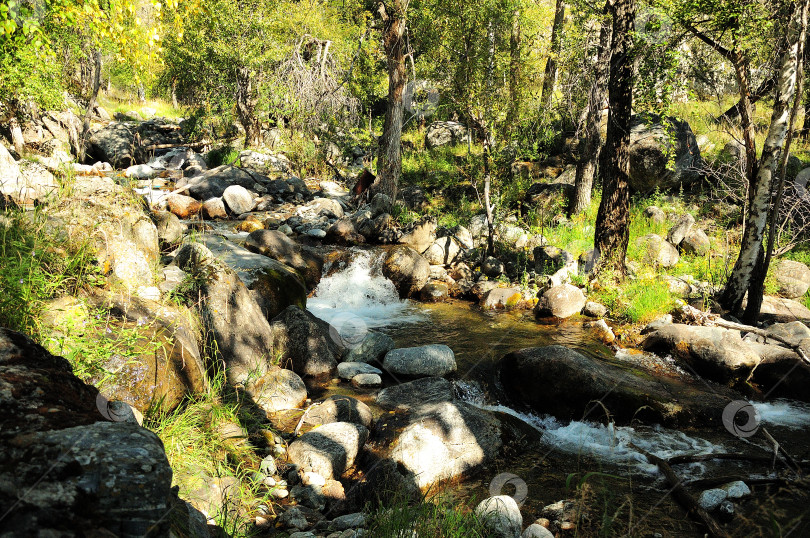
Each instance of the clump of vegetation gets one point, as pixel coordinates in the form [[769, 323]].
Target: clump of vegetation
[[436, 516]]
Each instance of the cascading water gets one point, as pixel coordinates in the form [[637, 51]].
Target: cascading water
[[362, 293]]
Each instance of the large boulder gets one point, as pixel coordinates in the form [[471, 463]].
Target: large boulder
[[420, 235], [664, 154], [713, 352], [561, 301], [422, 361], [329, 450], [781, 373], [565, 383], [680, 229], [309, 343], [278, 246], [277, 390], [407, 396], [781, 309], [241, 336], [793, 278], [169, 228], [372, 348], [441, 133], [26, 182], [407, 269], [657, 251], [65, 470], [338, 408], [444, 440], [114, 143], [238, 199], [274, 285], [443, 251], [212, 183]]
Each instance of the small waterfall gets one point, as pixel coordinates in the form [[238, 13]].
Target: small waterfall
[[361, 291]]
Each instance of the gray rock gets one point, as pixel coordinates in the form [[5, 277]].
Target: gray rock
[[212, 183], [445, 439], [595, 310], [710, 499], [347, 370], [173, 277], [443, 251], [316, 233], [407, 269], [664, 154], [380, 204], [680, 229], [329, 450], [323, 207], [657, 251], [214, 208], [169, 228], [26, 182], [655, 214], [306, 341], [422, 361], [560, 301], [793, 278], [420, 235], [736, 490], [406, 396], [372, 348], [502, 298], [713, 352], [338, 408], [696, 242], [492, 267], [781, 373], [277, 390], [536, 530], [276, 245], [794, 332], [367, 380], [238, 199], [441, 133], [114, 143], [501, 516], [348, 521], [268, 466]]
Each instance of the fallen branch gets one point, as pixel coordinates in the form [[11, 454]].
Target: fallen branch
[[683, 497], [777, 449], [695, 458]]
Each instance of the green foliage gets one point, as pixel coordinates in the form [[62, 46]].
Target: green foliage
[[431, 517], [635, 301], [38, 264]]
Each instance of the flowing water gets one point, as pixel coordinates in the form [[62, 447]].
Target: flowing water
[[555, 457]]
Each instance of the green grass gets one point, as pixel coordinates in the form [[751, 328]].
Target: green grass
[[634, 301], [125, 104], [437, 516]]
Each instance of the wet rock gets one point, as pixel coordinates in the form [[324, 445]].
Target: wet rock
[[372, 348], [169, 228], [183, 206], [657, 251], [434, 292], [713, 352], [343, 232], [444, 440], [214, 208], [602, 330], [277, 390], [366, 380], [420, 235], [664, 154], [501, 516], [560, 301], [278, 246], [628, 393], [422, 361], [655, 214], [338, 408], [409, 395], [492, 267], [793, 278], [681, 229], [347, 370], [238, 199], [250, 224], [306, 342], [329, 450], [502, 298], [696, 242], [407, 269]]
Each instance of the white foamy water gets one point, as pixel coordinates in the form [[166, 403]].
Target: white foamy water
[[605, 442], [788, 414], [360, 291]]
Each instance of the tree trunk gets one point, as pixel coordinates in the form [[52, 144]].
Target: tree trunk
[[550, 78], [751, 258], [734, 112], [389, 162], [513, 113], [16, 135], [591, 143], [174, 93], [246, 102], [91, 106], [613, 220]]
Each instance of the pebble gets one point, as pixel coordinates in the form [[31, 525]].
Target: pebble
[[280, 493], [317, 233]]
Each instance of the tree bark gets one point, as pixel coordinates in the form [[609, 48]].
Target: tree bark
[[389, 162], [550, 77], [751, 255], [734, 112], [246, 102], [613, 220], [91, 106], [796, 56], [513, 113], [590, 145]]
